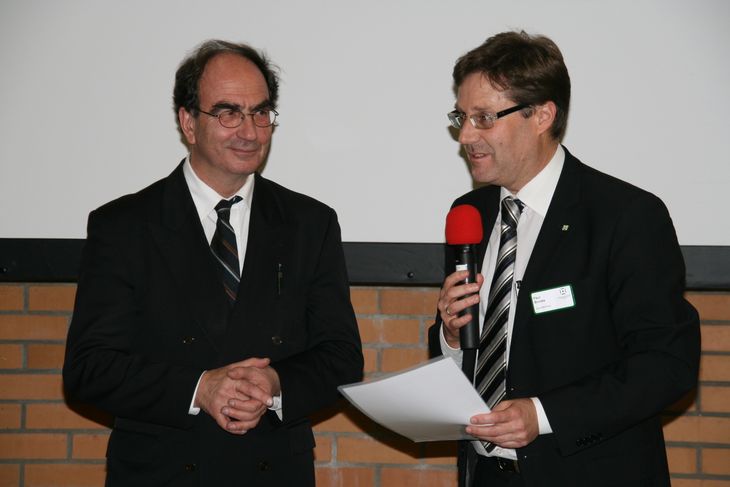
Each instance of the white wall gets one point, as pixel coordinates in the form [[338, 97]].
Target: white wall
[[85, 102]]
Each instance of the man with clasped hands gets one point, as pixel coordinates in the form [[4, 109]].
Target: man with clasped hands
[[213, 312]]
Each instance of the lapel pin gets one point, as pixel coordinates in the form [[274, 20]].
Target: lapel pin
[[565, 228]]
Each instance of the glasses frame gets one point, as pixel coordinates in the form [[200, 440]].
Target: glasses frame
[[455, 115], [242, 118]]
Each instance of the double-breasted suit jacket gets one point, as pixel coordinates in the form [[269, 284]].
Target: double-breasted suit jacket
[[605, 368], [151, 315]]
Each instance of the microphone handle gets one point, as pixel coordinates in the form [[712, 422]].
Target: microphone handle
[[465, 260]]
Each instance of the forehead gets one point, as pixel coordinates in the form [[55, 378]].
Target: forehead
[[477, 92], [232, 78]]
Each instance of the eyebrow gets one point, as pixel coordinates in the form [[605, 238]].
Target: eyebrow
[[222, 105], [476, 109], [225, 106]]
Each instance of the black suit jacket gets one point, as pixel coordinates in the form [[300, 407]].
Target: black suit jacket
[[151, 315], [607, 367]]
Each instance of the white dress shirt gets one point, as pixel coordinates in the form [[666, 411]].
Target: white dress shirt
[[536, 196]]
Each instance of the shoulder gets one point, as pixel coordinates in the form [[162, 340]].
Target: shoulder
[[602, 190], [479, 197], [128, 213], [132, 203], [291, 202]]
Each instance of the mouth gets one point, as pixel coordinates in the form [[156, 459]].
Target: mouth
[[476, 155], [244, 150]]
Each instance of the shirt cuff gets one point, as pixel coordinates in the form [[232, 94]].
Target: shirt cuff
[[542, 419], [277, 406], [455, 353], [192, 410]]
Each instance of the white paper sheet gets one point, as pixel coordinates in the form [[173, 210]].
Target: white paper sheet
[[430, 402]]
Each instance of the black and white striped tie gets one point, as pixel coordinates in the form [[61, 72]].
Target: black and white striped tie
[[225, 250], [492, 360]]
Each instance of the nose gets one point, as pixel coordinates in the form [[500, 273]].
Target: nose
[[468, 133], [247, 129]]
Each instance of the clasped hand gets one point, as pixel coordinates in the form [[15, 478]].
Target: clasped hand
[[237, 395]]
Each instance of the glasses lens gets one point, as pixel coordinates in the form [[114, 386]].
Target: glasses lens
[[484, 120], [456, 119], [264, 118], [230, 118]]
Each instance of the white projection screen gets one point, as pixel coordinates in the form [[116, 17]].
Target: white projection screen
[[86, 105]]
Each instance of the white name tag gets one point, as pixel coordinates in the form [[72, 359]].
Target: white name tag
[[552, 299]]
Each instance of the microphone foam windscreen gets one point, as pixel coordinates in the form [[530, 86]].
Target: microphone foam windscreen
[[463, 226]]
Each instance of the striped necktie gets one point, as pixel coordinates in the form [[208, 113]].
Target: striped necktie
[[492, 361], [225, 250]]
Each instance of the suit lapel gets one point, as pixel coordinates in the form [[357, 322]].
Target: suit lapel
[[562, 214], [182, 244]]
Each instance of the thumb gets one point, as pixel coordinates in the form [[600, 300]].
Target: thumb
[[259, 363]]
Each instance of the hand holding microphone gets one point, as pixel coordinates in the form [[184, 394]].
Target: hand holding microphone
[[459, 297]]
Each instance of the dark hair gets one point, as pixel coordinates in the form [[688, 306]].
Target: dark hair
[[529, 68], [187, 78]]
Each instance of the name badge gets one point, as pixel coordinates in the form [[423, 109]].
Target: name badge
[[552, 299]]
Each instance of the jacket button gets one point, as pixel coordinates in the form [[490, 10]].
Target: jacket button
[[264, 466], [188, 340], [190, 467], [276, 340]]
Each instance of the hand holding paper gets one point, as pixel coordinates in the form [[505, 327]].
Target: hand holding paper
[[412, 404]]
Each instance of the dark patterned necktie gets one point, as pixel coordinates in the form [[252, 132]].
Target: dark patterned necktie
[[492, 361], [224, 248]]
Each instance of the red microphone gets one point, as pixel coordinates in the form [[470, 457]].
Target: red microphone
[[464, 232]]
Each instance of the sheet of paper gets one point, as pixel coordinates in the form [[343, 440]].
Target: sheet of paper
[[430, 402]]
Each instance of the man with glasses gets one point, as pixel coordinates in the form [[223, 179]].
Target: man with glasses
[[213, 313], [585, 336]]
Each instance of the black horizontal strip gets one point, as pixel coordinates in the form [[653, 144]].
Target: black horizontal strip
[[368, 263]]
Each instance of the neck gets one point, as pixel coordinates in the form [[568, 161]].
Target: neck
[[225, 185], [542, 155]]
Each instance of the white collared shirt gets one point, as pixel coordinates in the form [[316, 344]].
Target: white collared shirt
[[206, 198]]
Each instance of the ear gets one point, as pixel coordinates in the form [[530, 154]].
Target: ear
[[187, 125], [545, 116]]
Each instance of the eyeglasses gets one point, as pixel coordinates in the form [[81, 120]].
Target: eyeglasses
[[230, 118], [481, 120]]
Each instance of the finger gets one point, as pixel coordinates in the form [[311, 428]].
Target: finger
[[241, 427], [457, 298], [459, 305], [257, 362], [454, 278], [244, 410], [253, 391], [251, 406], [253, 375], [235, 428], [226, 424]]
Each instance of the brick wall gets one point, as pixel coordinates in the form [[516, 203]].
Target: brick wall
[[45, 441]]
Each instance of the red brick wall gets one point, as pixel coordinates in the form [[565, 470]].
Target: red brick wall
[[44, 441]]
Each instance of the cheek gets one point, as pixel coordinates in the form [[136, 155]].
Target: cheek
[[264, 136]]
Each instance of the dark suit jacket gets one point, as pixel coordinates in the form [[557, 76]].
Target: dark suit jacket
[[151, 315], [607, 367]]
